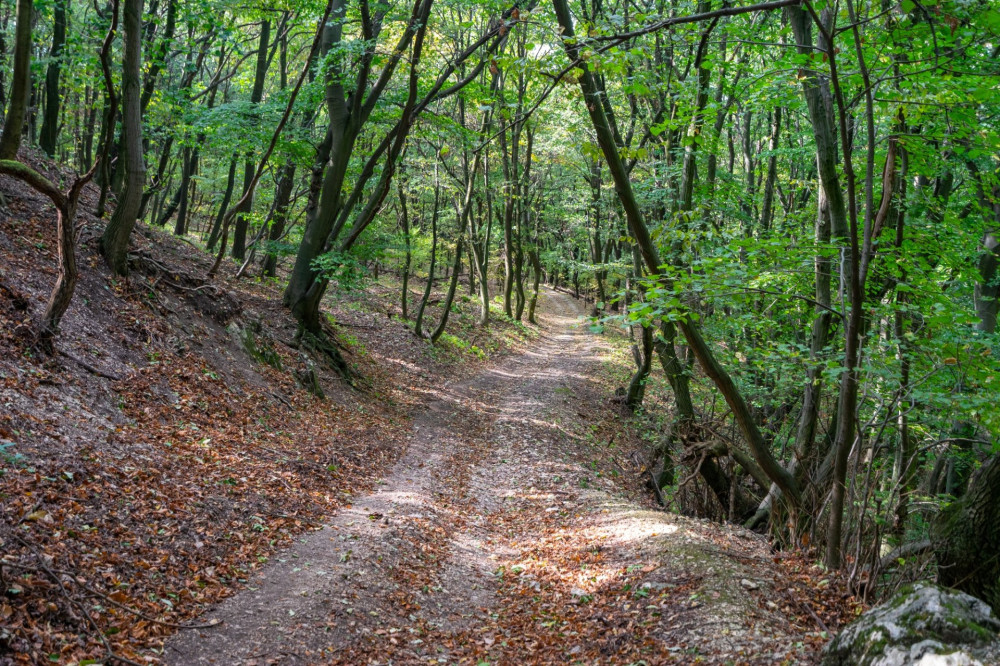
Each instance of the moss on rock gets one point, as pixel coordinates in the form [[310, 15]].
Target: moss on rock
[[919, 624]]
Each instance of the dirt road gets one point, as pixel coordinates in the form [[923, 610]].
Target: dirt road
[[490, 543]]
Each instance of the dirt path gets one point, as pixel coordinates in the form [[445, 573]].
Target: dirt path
[[417, 547], [489, 542]]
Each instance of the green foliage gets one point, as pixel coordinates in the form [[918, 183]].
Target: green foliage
[[9, 456], [343, 270]]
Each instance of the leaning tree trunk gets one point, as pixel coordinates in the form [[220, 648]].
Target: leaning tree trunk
[[611, 150], [967, 537], [62, 292], [114, 242], [13, 124], [452, 287]]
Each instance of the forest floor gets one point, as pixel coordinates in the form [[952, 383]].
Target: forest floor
[[478, 501], [502, 537]]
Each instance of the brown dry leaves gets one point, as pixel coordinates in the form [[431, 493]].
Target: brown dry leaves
[[193, 494]]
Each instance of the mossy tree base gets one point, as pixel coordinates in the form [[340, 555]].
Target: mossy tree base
[[967, 537], [323, 345]]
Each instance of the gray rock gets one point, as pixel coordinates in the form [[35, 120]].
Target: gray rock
[[923, 625]]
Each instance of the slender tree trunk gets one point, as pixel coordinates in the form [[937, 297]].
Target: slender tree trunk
[[452, 287], [89, 126], [213, 236], [404, 220], [159, 56], [50, 122], [190, 168], [260, 74], [767, 208], [533, 302], [697, 118], [3, 58], [243, 218], [472, 262], [114, 242], [643, 359], [519, 300], [160, 214], [816, 91], [109, 115], [463, 220], [906, 457], [279, 219], [13, 124], [418, 323], [508, 255]]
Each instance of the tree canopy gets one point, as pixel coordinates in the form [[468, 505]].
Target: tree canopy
[[793, 205]]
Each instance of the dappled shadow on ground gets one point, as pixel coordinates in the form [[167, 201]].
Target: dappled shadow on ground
[[503, 536]]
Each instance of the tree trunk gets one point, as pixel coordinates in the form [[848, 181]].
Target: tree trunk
[[190, 168], [519, 299], [536, 266], [452, 287], [767, 208], [257, 94], [301, 295], [404, 220], [159, 57], [90, 124], [109, 115], [643, 361], [906, 456], [816, 92], [967, 537], [239, 250], [13, 124], [463, 220], [418, 323], [50, 122], [279, 218], [508, 254], [114, 242], [213, 236], [62, 292]]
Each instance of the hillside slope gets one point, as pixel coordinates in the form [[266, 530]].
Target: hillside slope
[[168, 447], [168, 453]]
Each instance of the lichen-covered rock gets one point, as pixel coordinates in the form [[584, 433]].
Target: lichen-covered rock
[[923, 625]]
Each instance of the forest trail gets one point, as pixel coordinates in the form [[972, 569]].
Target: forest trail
[[490, 543]]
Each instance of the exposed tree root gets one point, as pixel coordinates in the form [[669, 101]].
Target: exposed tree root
[[324, 345]]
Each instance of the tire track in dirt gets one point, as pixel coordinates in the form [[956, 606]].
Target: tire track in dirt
[[415, 557]]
